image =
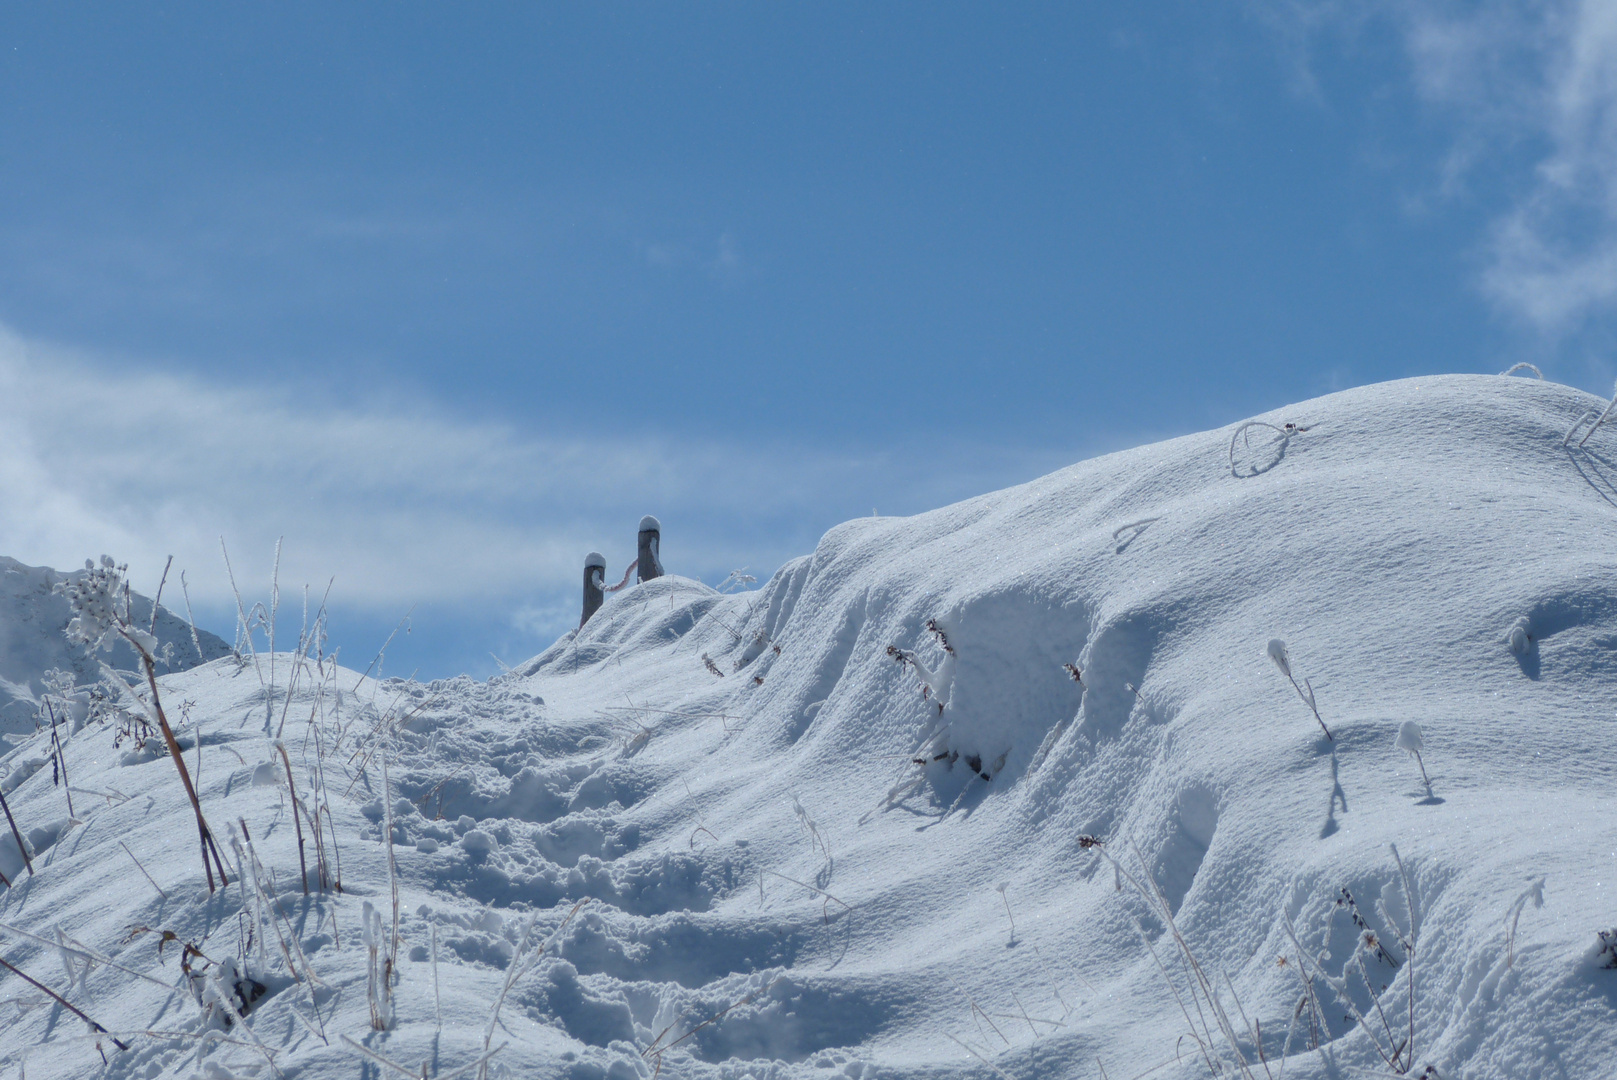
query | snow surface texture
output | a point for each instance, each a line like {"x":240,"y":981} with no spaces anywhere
{"x":772,"y":887}
{"x":32,"y":642}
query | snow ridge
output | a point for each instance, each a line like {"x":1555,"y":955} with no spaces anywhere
{"x":1121,"y":843}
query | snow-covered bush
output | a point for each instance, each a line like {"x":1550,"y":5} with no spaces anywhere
{"x":1606,"y":951}
{"x":755,"y":648}
{"x":935,"y":685}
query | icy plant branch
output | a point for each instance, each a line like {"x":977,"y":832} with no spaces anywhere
{"x":1277,"y":653}
{"x":1601,"y":419}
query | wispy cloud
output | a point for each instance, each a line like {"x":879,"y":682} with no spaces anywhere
{"x":1555,"y":252}
{"x":402,"y":504}
{"x":1529,"y":91}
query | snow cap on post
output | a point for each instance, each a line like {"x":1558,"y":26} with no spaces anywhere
{"x":650,"y":565}
{"x":594,"y":585}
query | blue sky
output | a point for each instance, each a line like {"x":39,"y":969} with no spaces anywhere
{"x":449,"y":295}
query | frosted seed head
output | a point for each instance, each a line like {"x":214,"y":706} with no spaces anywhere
{"x":1409,"y":737}
{"x":1519,"y":636}
{"x":1277,"y":653}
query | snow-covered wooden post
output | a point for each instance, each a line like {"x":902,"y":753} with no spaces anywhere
{"x":594,"y":584}
{"x":650,"y":566}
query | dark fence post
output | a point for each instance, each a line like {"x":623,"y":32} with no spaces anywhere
{"x":651,"y":565}
{"x":594,"y":585}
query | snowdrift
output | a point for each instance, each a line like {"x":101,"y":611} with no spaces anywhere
{"x":1009,"y":788}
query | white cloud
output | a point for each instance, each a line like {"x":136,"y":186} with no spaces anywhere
{"x":404,"y":505}
{"x":1530,"y":91}
{"x":1555,"y":253}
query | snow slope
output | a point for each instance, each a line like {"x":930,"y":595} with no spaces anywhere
{"x":32,"y":621}
{"x":772,"y":887}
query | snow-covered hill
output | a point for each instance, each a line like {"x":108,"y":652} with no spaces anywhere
{"x":32,"y":621}
{"x":725,"y":836}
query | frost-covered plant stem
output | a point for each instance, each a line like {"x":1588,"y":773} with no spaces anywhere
{"x":16,"y":834}
{"x":63,"y":1002}
{"x":297,"y":818}
{"x":1283,"y":436}
{"x":244,"y":624}
{"x":1282,"y":660}
{"x":1535,"y":893}
{"x":392,"y":872}
{"x":61,"y":758}
{"x":437,"y":1002}
{"x":209,"y":847}
{"x":378,"y":989}
{"x":1601,"y":419}
{"x":1410,"y":741}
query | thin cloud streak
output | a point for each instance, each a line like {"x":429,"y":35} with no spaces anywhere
{"x":404,"y":505}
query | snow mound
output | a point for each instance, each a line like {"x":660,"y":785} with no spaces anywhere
{"x":1018,"y":787}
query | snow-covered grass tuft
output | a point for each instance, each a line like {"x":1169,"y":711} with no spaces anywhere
{"x":1391,"y":1032}
{"x":1606,"y":950}
{"x":1224,"y":1048}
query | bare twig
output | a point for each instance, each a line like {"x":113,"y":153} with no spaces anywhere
{"x":63,"y":1002}
{"x":142,"y":869}
{"x":151,"y":627}
{"x":61,"y":757}
{"x":22,"y":847}
{"x":297,"y":818}
{"x":206,"y":835}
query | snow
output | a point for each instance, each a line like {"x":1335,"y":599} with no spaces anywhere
{"x":611,"y":864}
